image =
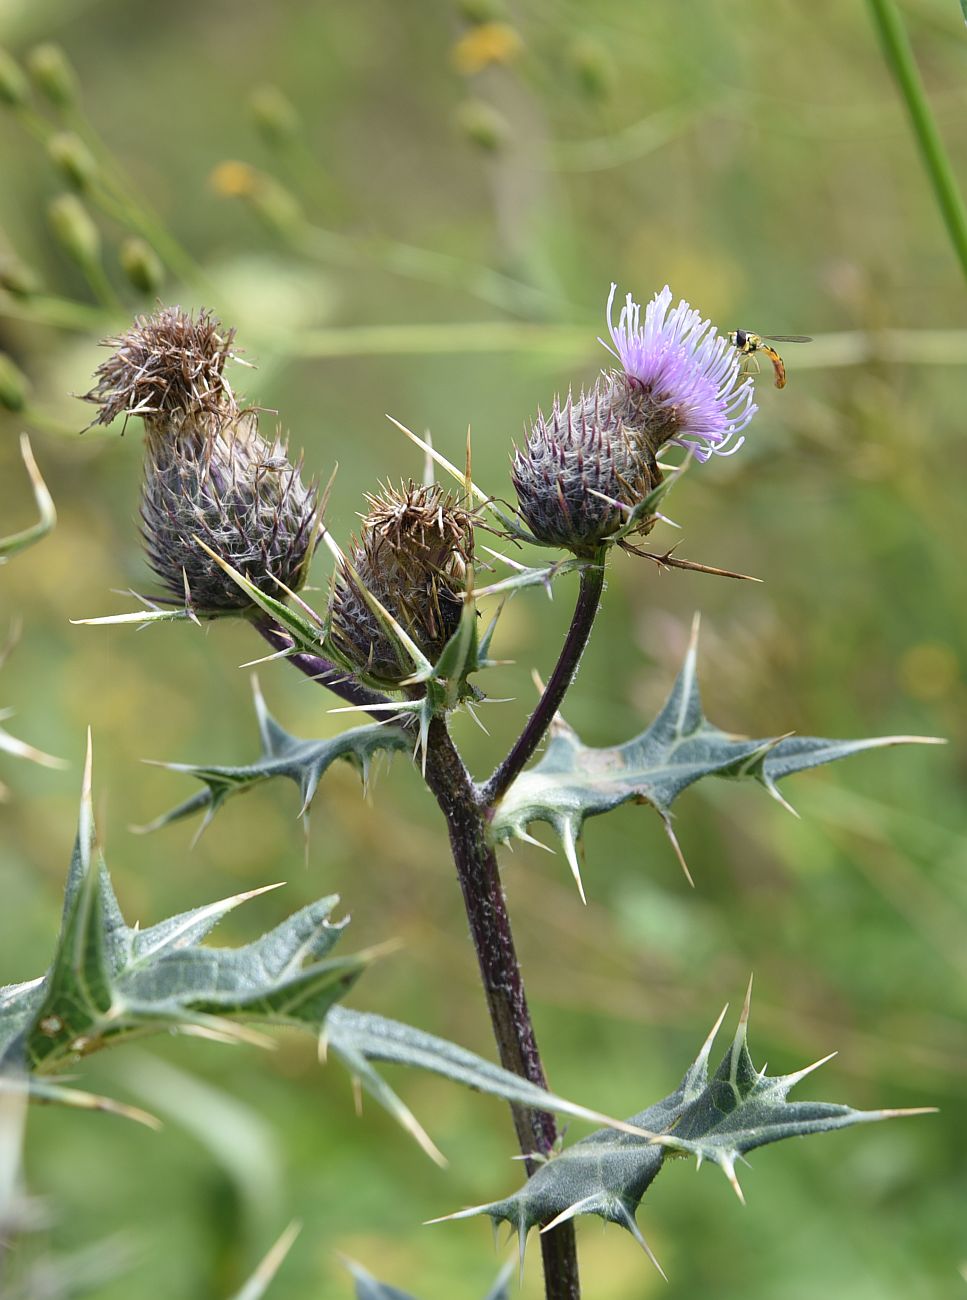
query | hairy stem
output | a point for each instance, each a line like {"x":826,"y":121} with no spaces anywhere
{"x":486,"y":908}
{"x":589,"y":596}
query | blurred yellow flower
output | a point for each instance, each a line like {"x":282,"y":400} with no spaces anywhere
{"x":234,"y":180}
{"x":481,"y":46}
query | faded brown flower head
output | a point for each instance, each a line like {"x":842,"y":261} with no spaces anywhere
{"x":584,"y":448}
{"x":413,"y":554}
{"x":168,"y":368}
{"x":209,"y":475}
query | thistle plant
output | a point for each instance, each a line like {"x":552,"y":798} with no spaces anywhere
{"x":229,"y":530}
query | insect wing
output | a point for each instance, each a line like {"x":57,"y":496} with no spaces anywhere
{"x":788,"y":338}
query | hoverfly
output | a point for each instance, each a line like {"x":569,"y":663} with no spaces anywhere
{"x":747,"y":343}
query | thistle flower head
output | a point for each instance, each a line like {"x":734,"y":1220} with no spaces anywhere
{"x":209,"y":475}
{"x":413,"y":554}
{"x":586,"y":467}
{"x":681,"y":377}
{"x":578,"y":468}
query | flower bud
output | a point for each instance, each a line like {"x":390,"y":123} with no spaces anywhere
{"x":13,"y":384}
{"x":269,"y":199}
{"x":14,"y":87}
{"x":275,"y":115}
{"x":483,"y":11}
{"x":414,"y":553}
{"x":53,"y":74}
{"x":72,"y":158}
{"x":593,"y":68}
{"x":74,"y":229}
{"x":141,"y":265}
{"x":208,"y":472}
{"x":581,"y":451}
{"x":483,"y":125}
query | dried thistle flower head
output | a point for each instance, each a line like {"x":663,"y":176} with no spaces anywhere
{"x":575,"y":459}
{"x":414,"y":553}
{"x":169,"y":369}
{"x":209,"y":475}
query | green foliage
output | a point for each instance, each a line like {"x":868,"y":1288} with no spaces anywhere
{"x":574,"y":781}
{"x":303,"y":761}
{"x":357,"y":1039}
{"x":718,"y":1118}
{"x":109,"y":981}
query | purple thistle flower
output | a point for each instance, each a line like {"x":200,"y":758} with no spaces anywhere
{"x":689,"y":374}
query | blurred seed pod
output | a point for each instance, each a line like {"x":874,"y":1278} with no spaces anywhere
{"x":14,"y":86}
{"x":483,"y":125}
{"x":53,"y":74}
{"x":72,"y":158}
{"x":74,"y":229}
{"x":482,"y":11}
{"x":14,"y":386}
{"x":274,"y":114}
{"x":141,"y":265}
{"x":593,"y":68}
{"x":414,"y":553}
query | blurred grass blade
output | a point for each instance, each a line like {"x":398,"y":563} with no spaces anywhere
{"x":899,"y":56}
{"x":45,"y":505}
{"x":261,"y":1279}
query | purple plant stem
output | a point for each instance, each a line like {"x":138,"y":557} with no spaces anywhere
{"x":463,"y":807}
{"x":585,"y":610}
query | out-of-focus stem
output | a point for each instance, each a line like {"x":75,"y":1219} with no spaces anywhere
{"x":899,"y":55}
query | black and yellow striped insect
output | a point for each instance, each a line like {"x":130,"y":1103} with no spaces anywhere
{"x":747,"y":343}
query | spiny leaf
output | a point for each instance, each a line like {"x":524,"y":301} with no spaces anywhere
{"x":718,"y":1117}
{"x":574,"y":781}
{"x":358,"y":1039}
{"x":45,"y":507}
{"x":523,"y":576}
{"x":109,"y":981}
{"x":367,"y":1287}
{"x":302,"y":761}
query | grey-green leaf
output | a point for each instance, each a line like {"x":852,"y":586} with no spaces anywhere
{"x":358,"y":1039}
{"x":302,"y":761}
{"x":108,"y":981}
{"x":717,"y":1117}
{"x":367,"y":1287}
{"x":574,"y":781}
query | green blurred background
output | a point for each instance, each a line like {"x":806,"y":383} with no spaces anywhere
{"x":757,"y":159}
